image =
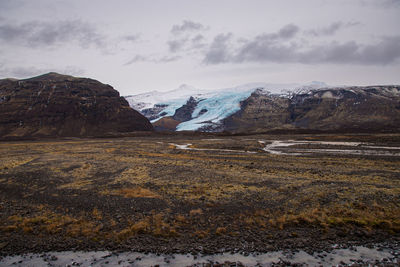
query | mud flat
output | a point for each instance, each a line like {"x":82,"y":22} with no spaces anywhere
{"x":210,"y":196}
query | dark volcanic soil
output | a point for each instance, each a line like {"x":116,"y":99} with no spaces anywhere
{"x":144,"y":194}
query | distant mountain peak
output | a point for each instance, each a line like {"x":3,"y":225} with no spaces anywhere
{"x":51,"y":76}
{"x":184,"y":89}
{"x":185,"y":86}
{"x":317,"y":84}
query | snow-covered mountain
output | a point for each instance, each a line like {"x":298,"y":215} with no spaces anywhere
{"x":149,"y":99}
{"x":207,"y":108}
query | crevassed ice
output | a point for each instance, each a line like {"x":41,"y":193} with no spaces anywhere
{"x":173,"y":105}
{"x":219,"y":106}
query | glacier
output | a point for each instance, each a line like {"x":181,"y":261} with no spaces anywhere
{"x":219,"y":104}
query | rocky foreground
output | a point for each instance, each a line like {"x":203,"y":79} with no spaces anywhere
{"x":200,"y":194}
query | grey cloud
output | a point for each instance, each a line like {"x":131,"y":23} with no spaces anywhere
{"x":385,"y":52}
{"x":131,"y":37}
{"x":382,"y":3}
{"x":265,"y":45}
{"x":186,"y":37}
{"x":176,"y":45}
{"x":137,"y":58}
{"x":198,"y":42}
{"x":38,"y":34}
{"x":167,"y":59}
{"x":219,"y":49}
{"x":331,"y":29}
{"x":288,"y":31}
{"x":152,"y":59}
{"x":264,"y":48}
{"x":6,"y":5}
{"x":198,"y":38}
{"x":31,"y":71}
{"x":285,"y":33}
{"x":187,"y":26}
{"x":392,"y":2}
{"x":186,"y":44}
{"x":382,"y":53}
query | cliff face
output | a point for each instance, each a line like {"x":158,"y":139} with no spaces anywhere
{"x":372,"y":108}
{"x":367,"y":108}
{"x":260,"y":111}
{"x":60,"y":105}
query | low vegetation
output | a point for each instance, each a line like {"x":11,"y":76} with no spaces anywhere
{"x":125,"y":192}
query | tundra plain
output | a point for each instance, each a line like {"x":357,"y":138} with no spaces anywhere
{"x":199,"y":194}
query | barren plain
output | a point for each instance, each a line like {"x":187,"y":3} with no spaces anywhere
{"x":199,"y":194}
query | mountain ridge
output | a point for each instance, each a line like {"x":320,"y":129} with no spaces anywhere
{"x":310,"y":107}
{"x":155,"y":105}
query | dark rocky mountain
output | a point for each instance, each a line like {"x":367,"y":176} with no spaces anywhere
{"x":154,"y":112}
{"x":61,"y":105}
{"x":185,"y":112}
{"x":365,"y":109}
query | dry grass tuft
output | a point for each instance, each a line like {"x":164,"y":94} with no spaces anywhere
{"x":152,"y":225}
{"x":136,"y":192}
{"x":196,"y":212}
{"x":200,"y":234}
{"x":10,"y":163}
{"x":97,"y":214}
{"x":220,"y":231}
{"x":180,"y":218}
{"x":52,"y":223}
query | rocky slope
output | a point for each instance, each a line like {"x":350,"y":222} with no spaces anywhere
{"x":260,"y":110}
{"x":370,"y":109}
{"x":60,"y":105}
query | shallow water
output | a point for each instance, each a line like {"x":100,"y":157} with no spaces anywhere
{"x":278,"y":147}
{"x":187,"y":147}
{"x":284,"y":148}
{"x":105,"y":258}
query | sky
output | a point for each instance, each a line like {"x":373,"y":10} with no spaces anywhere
{"x":144,"y":45}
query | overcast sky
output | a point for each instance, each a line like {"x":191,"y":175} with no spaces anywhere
{"x":144,"y":45}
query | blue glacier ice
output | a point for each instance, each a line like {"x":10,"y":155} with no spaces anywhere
{"x":172,"y":106}
{"x":219,"y":105}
